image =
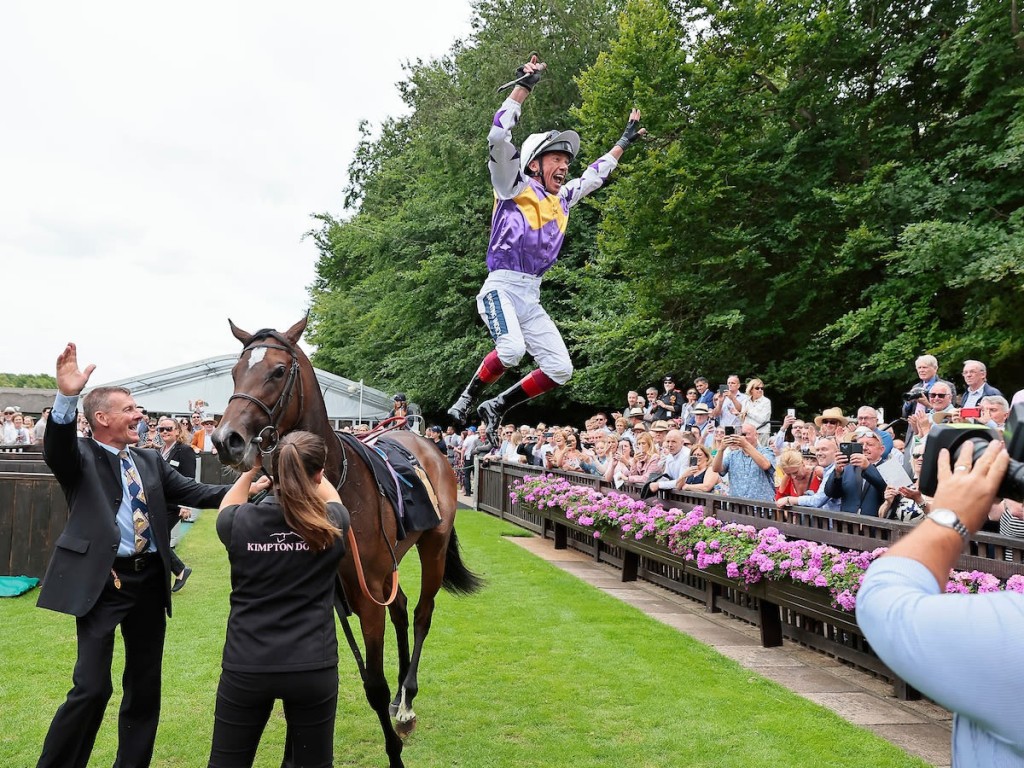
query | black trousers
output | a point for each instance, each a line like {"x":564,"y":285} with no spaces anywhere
{"x":244,"y":702}
{"x":138,"y":607}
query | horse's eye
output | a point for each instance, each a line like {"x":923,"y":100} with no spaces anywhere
{"x":278,"y":372}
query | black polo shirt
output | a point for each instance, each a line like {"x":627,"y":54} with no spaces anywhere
{"x":282,"y":592}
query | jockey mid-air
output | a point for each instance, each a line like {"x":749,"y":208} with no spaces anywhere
{"x":532,"y":199}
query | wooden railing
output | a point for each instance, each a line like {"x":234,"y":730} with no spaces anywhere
{"x":780,"y":609}
{"x":33,"y":509}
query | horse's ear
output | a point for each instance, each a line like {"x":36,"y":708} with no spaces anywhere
{"x":243,"y":336}
{"x":294,"y":333}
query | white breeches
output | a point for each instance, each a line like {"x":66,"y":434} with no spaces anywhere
{"x":509,"y":303}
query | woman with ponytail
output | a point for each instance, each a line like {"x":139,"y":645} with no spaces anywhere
{"x":281,"y":641}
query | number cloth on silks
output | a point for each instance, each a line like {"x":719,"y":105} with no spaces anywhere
{"x":399,"y":477}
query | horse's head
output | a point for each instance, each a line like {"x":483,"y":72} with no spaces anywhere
{"x":267,"y":401}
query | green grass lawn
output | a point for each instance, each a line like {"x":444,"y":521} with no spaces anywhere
{"x":539,"y":669}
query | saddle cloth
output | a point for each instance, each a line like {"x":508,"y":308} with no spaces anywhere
{"x":407,"y":489}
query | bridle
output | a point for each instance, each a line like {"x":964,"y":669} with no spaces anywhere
{"x":269,"y":436}
{"x":267,"y":441}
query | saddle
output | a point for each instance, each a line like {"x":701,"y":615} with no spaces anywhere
{"x":400,"y":479}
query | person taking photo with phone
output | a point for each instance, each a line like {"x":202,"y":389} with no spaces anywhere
{"x":856,"y":482}
{"x":749,"y":466}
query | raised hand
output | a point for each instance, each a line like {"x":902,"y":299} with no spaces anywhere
{"x":71,"y":380}
{"x":633,"y":131}
{"x":529,"y":74}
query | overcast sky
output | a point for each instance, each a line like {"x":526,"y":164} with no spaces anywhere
{"x":159,"y":164}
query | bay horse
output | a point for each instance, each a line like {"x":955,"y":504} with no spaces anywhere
{"x":275,"y":392}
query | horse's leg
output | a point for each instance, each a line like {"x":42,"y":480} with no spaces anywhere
{"x":399,"y":611}
{"x":431,"y":546}
{"x":371,"y":620}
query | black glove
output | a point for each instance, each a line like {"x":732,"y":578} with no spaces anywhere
{"x":630,"y":135}
{"x":525,"y":80}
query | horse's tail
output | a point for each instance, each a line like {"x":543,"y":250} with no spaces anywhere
{"x":458,"y":579}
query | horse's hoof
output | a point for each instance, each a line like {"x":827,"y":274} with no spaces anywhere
{"x":404,"y":728}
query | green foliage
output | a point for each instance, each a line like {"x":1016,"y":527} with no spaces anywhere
{"x":28,"y":380}
{"x":827,"y":192}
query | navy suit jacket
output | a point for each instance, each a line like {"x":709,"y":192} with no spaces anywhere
{"x":857,"y":497}
{"x":90,"y":477}
{"x":987,"y":390}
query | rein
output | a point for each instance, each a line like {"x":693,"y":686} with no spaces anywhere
{"x":357,"y":562}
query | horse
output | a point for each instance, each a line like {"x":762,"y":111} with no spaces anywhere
{"x":275,"y":392}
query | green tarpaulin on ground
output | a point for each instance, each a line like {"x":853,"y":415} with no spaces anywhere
{"x":12,"y":586}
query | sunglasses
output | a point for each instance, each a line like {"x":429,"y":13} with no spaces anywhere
{"x":165,"y":429}
{"x":937,"y":395}
{"x":830,"y":421}
{"x":757,"y":387}
{"x":918,"y":455}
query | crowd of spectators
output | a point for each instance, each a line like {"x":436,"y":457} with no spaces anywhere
{"x":725,"y":441}
{"x":22,"y":429}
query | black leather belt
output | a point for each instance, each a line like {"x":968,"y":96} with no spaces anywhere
{"x":136,"y":563}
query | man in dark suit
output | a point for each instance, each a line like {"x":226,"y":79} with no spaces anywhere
{"x":111,"y":565}
{"x":856,"y":481}
{"x":975,"y":375}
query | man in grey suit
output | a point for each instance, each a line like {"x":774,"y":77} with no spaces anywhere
{"x":111,"y":564}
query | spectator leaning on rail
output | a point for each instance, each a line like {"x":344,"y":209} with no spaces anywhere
{"x":956,"y":649}
{"x":825,"y":451}
{"x":533,"y":197}
{"x":749,"y":466}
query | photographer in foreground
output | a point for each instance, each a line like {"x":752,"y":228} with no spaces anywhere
{"x":957,"y":649}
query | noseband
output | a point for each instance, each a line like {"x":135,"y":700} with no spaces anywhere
{"x":268,"y":437}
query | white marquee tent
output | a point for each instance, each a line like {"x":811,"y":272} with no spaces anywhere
{"x":171,"y":390}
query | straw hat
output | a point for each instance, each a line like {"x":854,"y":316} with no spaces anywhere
{"x":835,"y":414}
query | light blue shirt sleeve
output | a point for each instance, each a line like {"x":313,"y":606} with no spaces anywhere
{"x":817,"y":498}
{"x":64,"y":408}
{"x":959,"y":650}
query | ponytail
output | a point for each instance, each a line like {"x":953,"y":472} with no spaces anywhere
{"x":298,"y":457}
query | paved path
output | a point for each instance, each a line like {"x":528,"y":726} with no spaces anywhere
{"x":919,"y":727}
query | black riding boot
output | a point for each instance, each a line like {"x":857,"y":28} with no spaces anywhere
{"x":491,"y":411}
{"x":461,"y":407}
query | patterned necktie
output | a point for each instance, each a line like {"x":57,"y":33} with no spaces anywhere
{"x":140,"y":511}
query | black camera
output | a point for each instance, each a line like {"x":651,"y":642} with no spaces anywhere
{"x":953,"y":436}
{"x":914,"y":394}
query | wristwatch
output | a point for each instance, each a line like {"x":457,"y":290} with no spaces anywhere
{"x":947,"y":518}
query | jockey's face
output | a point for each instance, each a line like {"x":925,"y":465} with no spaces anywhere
{"x":553,"y":168}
